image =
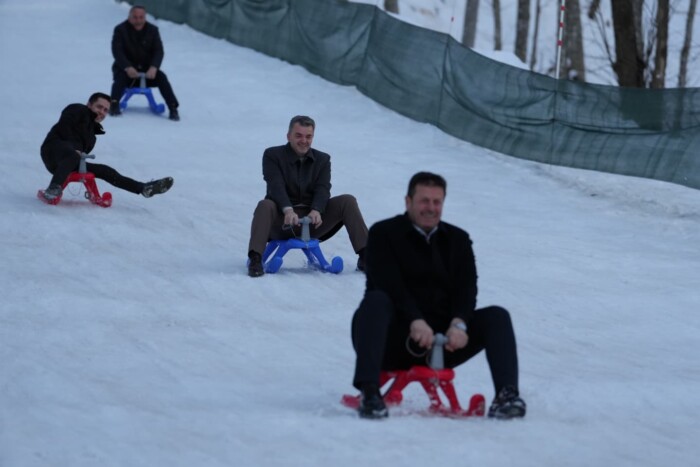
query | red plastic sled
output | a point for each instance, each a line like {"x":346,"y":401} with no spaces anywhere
{"x":430,"y":380}
{"x":92,"y":194}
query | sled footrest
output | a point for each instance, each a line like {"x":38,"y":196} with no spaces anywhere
{"x":430,"y":380}
{"x":276,"y":249}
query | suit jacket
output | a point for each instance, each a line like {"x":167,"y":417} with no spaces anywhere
{"x":434,"y":281}
{"x":292,"y":181}
{"x":77,"y":127}
{"x":139,"y":49}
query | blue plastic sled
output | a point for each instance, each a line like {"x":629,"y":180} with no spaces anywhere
{"x":276,"y":249}
{"x":146,"y":91}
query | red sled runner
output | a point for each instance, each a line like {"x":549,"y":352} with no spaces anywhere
{"x":92,"y":194}
{"x":430,"y":378}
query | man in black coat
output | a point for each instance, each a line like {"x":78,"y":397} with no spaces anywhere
{"x":75,"y":133}
{"x":137,"y":48}
{"x":298,"y":181}
{"x":421,"y":280}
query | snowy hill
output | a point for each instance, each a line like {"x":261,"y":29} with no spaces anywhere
{"x":131,"y":336}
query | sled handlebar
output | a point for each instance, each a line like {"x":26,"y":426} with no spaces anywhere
{"x":437,"y":360}
{"x":305,"y":229}
{"x":83,"y":167}
{"x":142,"y":79}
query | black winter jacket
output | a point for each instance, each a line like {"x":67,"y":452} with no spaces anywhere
{"x":139,"y":49}
{"x":291,"y":182}
{"x":434,"y":281}
{"x":77,"y":127}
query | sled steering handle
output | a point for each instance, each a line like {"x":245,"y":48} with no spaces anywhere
{"x":83,"y":167}
{"x":437,"y":359}
{"x":142,"y":79}
{"x":305,"y":229}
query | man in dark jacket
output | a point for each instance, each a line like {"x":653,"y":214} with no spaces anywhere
{"x":299,"y":184}
{"x":421,"y":279}
{"x":75,"y":133}
{"x":137,"y":48}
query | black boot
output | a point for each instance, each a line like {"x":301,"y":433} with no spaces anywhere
{"x":255,"y":266}
{"x":361,"y":260}
{"x":114,"y":109}
{"x":372,"y":404}
{"x":174,"y":114}
{"x":157,"y":187}
{"x":507,"y":404}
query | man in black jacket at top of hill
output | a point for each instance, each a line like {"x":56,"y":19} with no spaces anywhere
{"x":75,"y":133}
{"x":137,"y":48}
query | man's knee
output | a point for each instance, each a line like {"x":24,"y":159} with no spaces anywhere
{"x":374,"y":313}
{"x":265,"y":207}
{"x":496,"y":315}
{"x":376,"y":302}
{"x":345,"y":201}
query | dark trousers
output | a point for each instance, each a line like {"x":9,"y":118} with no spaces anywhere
{"x":61,"y":159}
{"x":340,"y":210}
{"x":380,"y":342}
{"x":122,"y":81}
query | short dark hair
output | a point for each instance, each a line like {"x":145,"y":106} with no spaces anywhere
{"x":98,"y":95}
{"x":302,"y":120}
{"x":427,"y":179}
{"x":137,"y":7}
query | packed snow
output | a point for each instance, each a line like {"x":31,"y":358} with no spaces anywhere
{"x":132,"y":336}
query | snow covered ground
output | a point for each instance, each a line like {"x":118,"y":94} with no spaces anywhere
{"x":131,"y":336}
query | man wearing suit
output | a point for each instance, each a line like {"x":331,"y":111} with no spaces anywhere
{"x":298,"y":181}
{"x":421,"y":279}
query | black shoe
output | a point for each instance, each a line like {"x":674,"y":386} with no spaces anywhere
{"x":255,"y":266}
{"x":114,"y":109}
{"x":174,"y":115}
{"x":372,"y":404}
{"x":52,"y":192}
{"x":361,"y":260}
{"x":157,"y":187}
{"x":507,"y":405}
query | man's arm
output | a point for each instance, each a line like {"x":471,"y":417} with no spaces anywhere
{"x":383,"y":269}
{"x":157,"y":52}
{"x":119,"y":49}
{"x":274,"y":177}
{"x":464,"y":288}
{"x":322,"y":185}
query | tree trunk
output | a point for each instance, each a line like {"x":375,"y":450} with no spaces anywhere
{"x":470,"y":16}
{"x":685,"y":51}
{"x":658,"y":79}
{"x":535,"y":35}
{"x":497,"y":42}
{"x":391,"y":6}
{"x":573,"y":58}
{"x":522,"y":29}
{"x":629,"y":64}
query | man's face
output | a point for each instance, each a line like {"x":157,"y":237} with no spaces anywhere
{"x":425,"y":207}
{"x":137,"y":18}
{"x":100,"y":107}
{"x":300,"y":138}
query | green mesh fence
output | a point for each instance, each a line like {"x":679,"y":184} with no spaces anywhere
{"x":431,"y":78}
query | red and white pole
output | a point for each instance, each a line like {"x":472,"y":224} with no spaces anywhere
{"x":562,"y":10}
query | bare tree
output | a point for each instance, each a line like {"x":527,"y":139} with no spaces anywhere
{"x":629,"y":65}
{"x":573,"y":57}
{"x":391,"y":6}
{"x":497,"y":42}
{"x":685,"y":51}
{"x":522,"y":29}
{"x":470,"y":16}
{"x":535,"y":35}
{"x":658,"y":79}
